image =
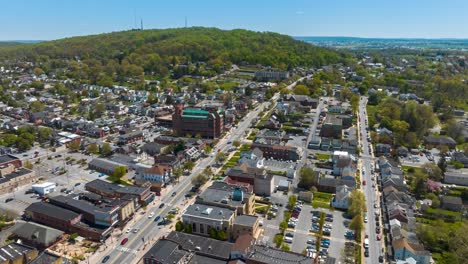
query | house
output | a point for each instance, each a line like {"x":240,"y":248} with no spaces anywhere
{"x":382,"y":149}
{"x":167,"y":160}
{"x":341,"y":198}
{"x":279,"y":151}
{"x":104,"y":166}
{"x":153,"y":148}
{"x":326,"y":184}
{"x":158,"y":176}
{"x":459,"y":177}
{"x":202,"y":218}
{"x":36,"y":235}
{"x":451,"y":203}
{"x":461,"y":157}
{"x":402,"y":151}
{"x":404,"y":250}
{"x":332,"y":127}
{"x":315,"y":142}
{"x":261,"y":181}
{"x":342,"y":160}
{"x":130,"y":137}
{"x":433,"y":141}
{"x":254,"y":158}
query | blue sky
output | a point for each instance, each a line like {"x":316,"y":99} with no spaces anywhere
{"x":53,"y":19}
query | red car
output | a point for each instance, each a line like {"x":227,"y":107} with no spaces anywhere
{"x":363,"y":182}
{"x":124,"y":241}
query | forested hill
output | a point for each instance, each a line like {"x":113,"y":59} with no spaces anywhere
{"x":154,"y":50}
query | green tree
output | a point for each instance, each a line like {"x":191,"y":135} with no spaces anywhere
{"x":356,"y":224}
{"x":278,"y":240}
{"x":106,"y":149}
{"x":189,"y":165}
{"x":74,"y":145}
{"x":285,"y":247}
{"x":357,"y":203}
{"x":38,"y":71}
{"x":119,"y":172}
{"x":36,"y":106}
{"x":176,"y":173}
{"x":9,"y":139}
{"x":308,"y":178}
{"x":236,"y":143}
{"x":92,"y":148}
{"x":188,"y":229}
{"x":432,"y":170}
{"x":207,"y":149}
{"x":199,"y":180}
{"x":213,"y":233}
{"x":442,"y":164}
{"x":44,"y":134}
{"x":222,"y":235}
{"x":354,"y":101}
{"x":292,"y":201}
{"x":283,"y":226}
{"x":179,"y":226}
{"x":221,"y":157}
{"x":301,"y":89}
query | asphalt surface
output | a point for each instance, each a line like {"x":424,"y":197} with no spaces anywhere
{"x":371,"y":194}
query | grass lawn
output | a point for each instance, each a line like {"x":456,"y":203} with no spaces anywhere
{"x":322,"y":200}
{"x":118,"y":181}
{"x":406,"y":168}
{"x":245,"y":147}
{"x":321,"y":156}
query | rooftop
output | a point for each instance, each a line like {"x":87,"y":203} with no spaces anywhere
{"x":211,"y":212}
{"x":265,"y":254}
{"x":52,"y":211}
{"x":7,"y":158}
{"x":81,"y":205}
{"x":46,"y":258}
{"x":245,"y":220}
{"x":35,"y":232}
{"x":202,"y":245}
{"x":102,"y":186}
{"x":14,"y":252}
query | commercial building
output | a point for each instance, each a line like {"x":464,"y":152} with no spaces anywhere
{"x":36,"y":235}
{"x":205,"y":122}
{"x":279,"y":151}
{"x":10,"y":159}
{"x":245,"y":224}
{"x":261,"y":181}
{"x":157,"y":176}
{"x":271,"y":75}
{"x":44,"y":187}
{"x":332,"y":127}
{"x":12,"y":177}
{"x":112,"y":190}
{"x":16,"y":253}
{"x":104,"y":166}
{"x":225,"y":195}
{"x":105,"y":216}
{"x":130,"y":137}
{"x":202,"y":218}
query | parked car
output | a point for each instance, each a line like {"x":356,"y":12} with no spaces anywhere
{"x":105,"y":259}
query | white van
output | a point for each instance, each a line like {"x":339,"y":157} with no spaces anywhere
{"x":288,"y":239}
{"x":366,"y":243}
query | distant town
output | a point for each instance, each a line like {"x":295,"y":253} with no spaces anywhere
{"x":364,"y":161}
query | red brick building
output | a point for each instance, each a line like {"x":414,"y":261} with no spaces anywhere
{"x":207,"y":122}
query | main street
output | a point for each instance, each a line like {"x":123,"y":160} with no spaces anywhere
{"x":367,"y":159}
{"x":138,"y":243}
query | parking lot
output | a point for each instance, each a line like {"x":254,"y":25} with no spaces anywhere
{"x":62,"y":168}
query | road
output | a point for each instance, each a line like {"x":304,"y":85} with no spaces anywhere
{"x":149,"y":232}
{"x":371,"y":194}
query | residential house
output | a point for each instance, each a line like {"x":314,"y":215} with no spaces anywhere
{"x":433,"y":141}
{"x":342,"y":160}
{"x":153,"y":148}
{"x":459,"y":177}
{"x":279,"y":152}
{"x":452,"y":203}
{"x":326,"y":184}
{"x":332,"y":127}
{"x":158,"y":176}
{"x":382,"y":149}
{"x":254,"y":158}
{"x":404,"y":250}
{"x":341,"y":198}
{"x":461,"y":157}
{"x":130,"y":137}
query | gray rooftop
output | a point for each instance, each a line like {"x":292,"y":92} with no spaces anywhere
{"x":206,"y":211}
{"x":207,"y":246}
{"x":102,"y":185}
{"x":52,"y":211}
{"x":39,"y":233}
{"x":264,"y":254}
{"x":245,"y":220}
{"x":7,"y":158}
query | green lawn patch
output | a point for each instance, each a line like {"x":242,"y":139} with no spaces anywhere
{"x":321,"y":156}
{"x":118,"y":181}
{"x":322,"y":200}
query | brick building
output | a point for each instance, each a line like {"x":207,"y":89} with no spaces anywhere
{"x":207,"y":122}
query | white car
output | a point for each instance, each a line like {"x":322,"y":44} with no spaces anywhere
{"x":365,"y":219}
{"x":128,"y":230}
{"x":151,"y":215}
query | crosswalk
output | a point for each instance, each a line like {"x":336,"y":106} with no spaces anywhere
{"x":125,"y":249}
